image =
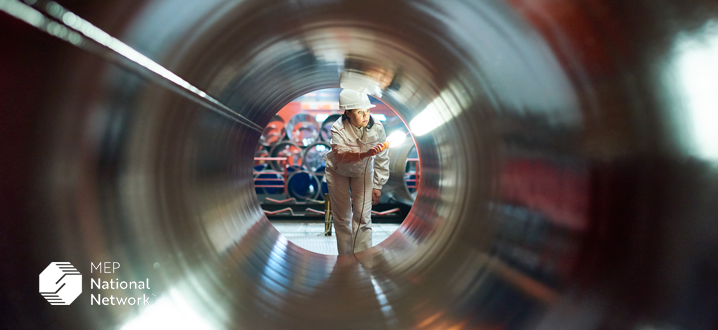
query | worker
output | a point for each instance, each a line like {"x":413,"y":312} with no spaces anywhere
{"x":358,"y":167}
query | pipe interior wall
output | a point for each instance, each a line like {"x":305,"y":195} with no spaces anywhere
{"x":568,"y":169}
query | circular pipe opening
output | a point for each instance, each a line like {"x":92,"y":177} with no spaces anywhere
{"x":186,"y":174}
{"x":298,"y":210}
{"x":523,"y":139}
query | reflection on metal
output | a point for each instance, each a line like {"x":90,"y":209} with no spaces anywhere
{"x":314,"y":155}
{"x":387,"y":212}
{"x":286,"y":149}
{"x":284,"y":210}
{"x":360,"y":82}
{"x":274,"y":132}
{"x":313,"y":211}
{"x":695,"y":66}
{"x":261,"y":153}
{"x":396,"y":186}
{"x":303,"y":185}
{"x":303,"y":129}
{"x":90,"y":37}
{"x":448,"y":105}
{"x":288,"y":200}
{"x":326,"y":131}
{"x":565,"y":182}
{"x":394,"y":124}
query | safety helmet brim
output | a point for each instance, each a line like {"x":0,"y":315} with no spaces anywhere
{"x":353,"y":106}
{"x":351,"y":99}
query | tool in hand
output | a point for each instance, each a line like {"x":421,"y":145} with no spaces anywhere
{"x":393,"y":140}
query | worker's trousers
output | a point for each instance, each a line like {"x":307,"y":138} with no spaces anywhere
{"x":351,"y":217}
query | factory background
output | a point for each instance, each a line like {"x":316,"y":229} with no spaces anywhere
{"x":289,"y":172}
{"x":564,"y":177}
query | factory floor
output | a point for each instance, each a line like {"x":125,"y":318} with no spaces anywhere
{"x":310,"y":235}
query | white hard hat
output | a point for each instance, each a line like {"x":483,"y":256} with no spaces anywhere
{"x":351,"y":99}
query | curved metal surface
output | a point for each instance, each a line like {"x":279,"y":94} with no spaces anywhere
{"x":568,"y":173}
{"x":303,"y":185}
{"x":286,"y":149}
{"x":326,"y":132}
{"x":303,"y":129}
{"x":396,"y":187}
{"x":274,"y":132}
{"x":260,"y":152}
{"x":314,"y":155}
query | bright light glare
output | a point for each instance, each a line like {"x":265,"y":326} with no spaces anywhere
{"x":171,"y":311}
{"x":437,"y":113}
{"x":697,"y":70}
{"x":23,"y":12}
{"x":321,"y":117}
{"x":379,"y":117}
{"x":74,"y":22}
{"x":426,"y":121}
{"x":396,"y":139}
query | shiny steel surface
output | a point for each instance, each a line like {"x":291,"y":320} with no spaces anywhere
{"x":314,"y":155}
{"x":303,"y":129}
{"x":567,"y":149}
{"x":326,"y":132}
{"x":274,"y":132}
{"x":260,"y":153}
{"x":396,"y":186}
{"x":303,"y":185}
{"x":286,"y":149}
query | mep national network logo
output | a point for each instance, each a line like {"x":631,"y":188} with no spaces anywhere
{"x":60,"y":283}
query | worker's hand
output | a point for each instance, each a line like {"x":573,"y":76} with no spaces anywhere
{"x":376,"y":149}
{"x":375,"y":196}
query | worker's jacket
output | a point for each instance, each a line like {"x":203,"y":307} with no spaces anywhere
{"x":346,"y":146}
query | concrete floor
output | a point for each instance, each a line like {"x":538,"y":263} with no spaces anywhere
{"x":310,"y":235}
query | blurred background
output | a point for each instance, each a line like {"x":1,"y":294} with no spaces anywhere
{"x":561,"y":171}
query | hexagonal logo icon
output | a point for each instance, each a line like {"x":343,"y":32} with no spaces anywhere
{"x":60,"y":283}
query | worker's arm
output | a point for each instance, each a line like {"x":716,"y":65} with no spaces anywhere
{"x":345,"y":152}
{"x":381,"y":163}
{"x":348,"y":157}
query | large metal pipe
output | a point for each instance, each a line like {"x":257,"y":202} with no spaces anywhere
{"x":568,"y":168}
{"x":396,"y":186}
